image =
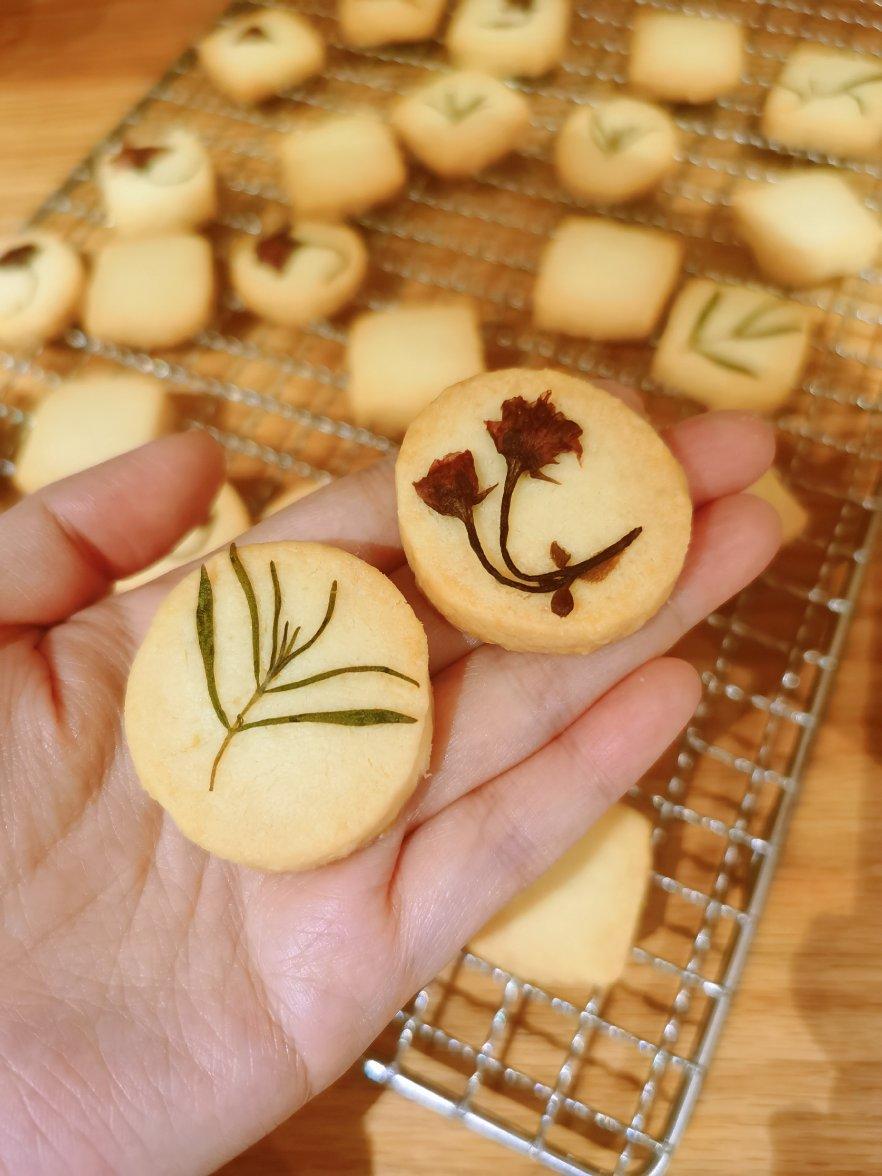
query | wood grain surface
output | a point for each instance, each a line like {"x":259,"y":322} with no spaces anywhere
{"x":796,"y":1087}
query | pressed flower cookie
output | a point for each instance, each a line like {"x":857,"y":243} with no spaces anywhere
{"x":288,"y":497}
{"x":826,"y":100}
{"x":366,"y":23}
{"x":279,"y":708}
{"x":261,"y":52}
{"x":732,"y":347}
{"x":807,"y":227}
{"x":308,"y":271}
{"x":573,"y":928}
{"x":87,"y":420}
{"x":154,"y":291}
{"x":163,"y":181}
{"x":462,"y":122}
{"x":615,"y":151}
{"x":603,"y":280}
{"x":683,"y":58}
{"x":400,"y":359}
{"x":341,"y":165}
{"x":226,"y":521}
{"x":41,"y":280}
{"x":772,"y":488}
{"x":509,"y":38}
{"x":539,"y":512}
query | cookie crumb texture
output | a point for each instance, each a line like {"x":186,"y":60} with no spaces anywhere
{"x":683,"y":58}
{"x":261,"y":52}
{"x":540,"y":513}
{"x":509,"y":38}
{"x":279,"y":708}
{"x":41,"y":280}
{"x":367,"y":23}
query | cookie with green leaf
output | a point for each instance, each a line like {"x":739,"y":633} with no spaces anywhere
{"x":279,"y":708}
{"x":733,"y":347}
{"x":539,"y":512}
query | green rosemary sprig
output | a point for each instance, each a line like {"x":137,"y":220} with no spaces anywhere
{"x":613,"y":140}
{"x":284,"y":650}
{"x":753,"y":325}
{"x":849,"y":89}
{"x":456,"y":107}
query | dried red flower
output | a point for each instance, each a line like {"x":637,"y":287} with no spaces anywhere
{"x":451,"y":485}
{"x":138,"y":158}
{"x":530,"y":436}
{"x":19,"y":256}
{"x":277,"y":249}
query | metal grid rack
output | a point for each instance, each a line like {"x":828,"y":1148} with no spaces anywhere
{"x":586,"y":1082}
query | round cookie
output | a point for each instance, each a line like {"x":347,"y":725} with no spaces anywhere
{"x":41,"y":280}
{"x":299,"y":274}
{"x":279,"y":708}
{"x":539,"y":512}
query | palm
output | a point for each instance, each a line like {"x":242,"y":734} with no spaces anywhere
{"x":165,"y":1008}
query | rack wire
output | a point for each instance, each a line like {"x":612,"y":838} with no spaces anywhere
{"x":599,"y":1082}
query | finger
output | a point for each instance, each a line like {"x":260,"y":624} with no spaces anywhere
{"x":458,"y":869}
{"x":74,"y":538}
{"x":721,"y":452}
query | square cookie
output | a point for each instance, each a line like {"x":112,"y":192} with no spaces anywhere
{"x":509,"y":38}
{"x":365,"y":23}
{"x":684,"y":58}
{"x":261,"y":52}
{"x":599,"y":279}
{"x":733,"y":347}
{"x":400,"y":359}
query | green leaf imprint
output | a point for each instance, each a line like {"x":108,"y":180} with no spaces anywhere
{"x":205,"y":637}
{"x":753,"y":325}
{"x":248,"y":590}
{"x":613,"y":140}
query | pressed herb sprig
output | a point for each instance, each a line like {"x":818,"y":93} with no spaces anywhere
{"x":849,"y":88}
{"x":283,"y":652}
{"x":530,"y":436}
{"x":612,"y":140}
{"x":755,"y":324}
{"x":277,"y":250}
{"x":456,"y":107}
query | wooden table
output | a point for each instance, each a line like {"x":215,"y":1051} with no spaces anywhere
{"x":796,"y":1087}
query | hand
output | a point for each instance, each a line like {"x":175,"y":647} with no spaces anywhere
{"x":160,"y":1009}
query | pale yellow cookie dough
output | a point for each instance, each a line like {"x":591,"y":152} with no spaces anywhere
{"x":574,"y":927}
{"x":733,"y":347}
{"x":593,"y":481}
{"x":600,"y":279}
{"x":288,"y":497}
{"x":87,"y":420}
{"x":618,"y":150}
{"x":261,"y":52}
{"x":807,"y":227}
{"x":683,"y":58}
{"x":509,"y":38}
{"x":273,"y":763}
{"x":366,"y":23}
{"x":148,"y":292}
{"x":400,"y":359}
{"x":772,"y":488}
{"x":41,"y":281}
{"x":460,"y":123}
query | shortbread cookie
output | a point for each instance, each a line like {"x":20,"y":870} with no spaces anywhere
{"x":288,"y":497}
{"x":732,"y":347}
{"x":400,"y":359}
{"x":41,"y":280}
{"x":226,"y":521}
{"x":826,"y":100}
{"x":539,"y":512}
{"x":772,"y":488}
{"x":600,"y":279}
{"x":615,"y":151}
{"x":87,"y":420}
{"x":462,"y":122}
{"x":366,"y":23}
{"x":807,"y":227}
{"x":308,"y":271}
{"x":261,"y":52}
{"x":150,"y":291}
{"x":509,"y":38}
{"x":157,"y":183}
{"x":682,"y":58}
{"x":341,"y":165}
{"x":573,"y":928}
{"x":280,"y":708}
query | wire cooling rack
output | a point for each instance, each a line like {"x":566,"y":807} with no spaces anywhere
{"x":597,"y":1081}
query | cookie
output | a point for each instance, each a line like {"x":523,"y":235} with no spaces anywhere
{"x":226,"y":521}
{"x":509,"y":38}
{"x":683,"y":58}
{"x":148,"y":292}
{"x":806,"y":228}
{"x":732,"y":347}
{"x":366,"y":23}
{"x":279,"y":708}
{"x":41,"y":280}
{"x":573,"y":928}
{"x":300,"y":273}
{"x":158,"y":183}
{"x":539,"y":512}
{"x":772,"y":488}
{"x":340,"y":166}
{"x":261,"y":52}
{"x":288,"y":497}
{"x":87,"y":420}
{"x":619,"y":150}
{"x":600,"y":279}
{"x":462,"y":122}
{"x":828,"y":101}
{"x":400,"y":359}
